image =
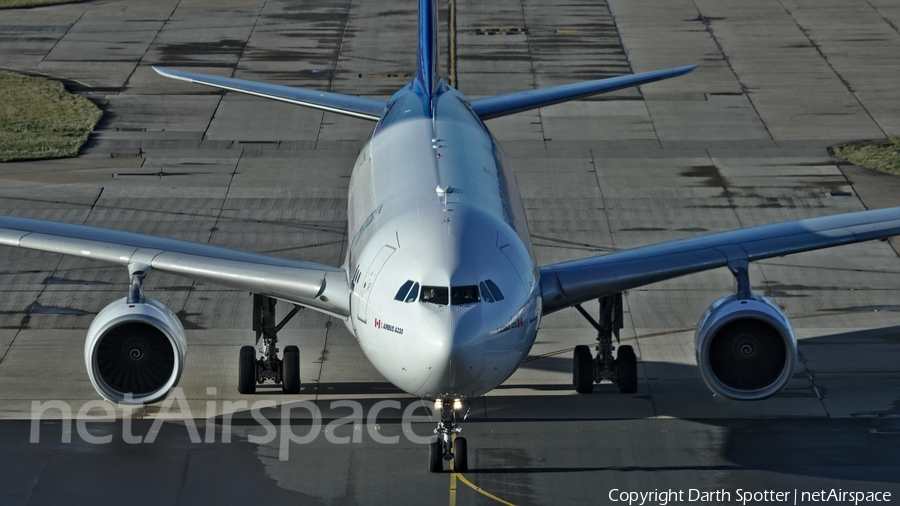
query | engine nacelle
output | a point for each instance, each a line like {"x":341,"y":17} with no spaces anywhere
{"x":135,"y":350}
{"x":746,"y":348}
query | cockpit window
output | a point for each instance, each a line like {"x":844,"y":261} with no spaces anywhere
{"x":435,"y":295}
{"x":401,"y":293}
{"x":485,"y":293}
{"x":460,"y":295}
{"x":413,"y":293}
{"x":495,"y":291}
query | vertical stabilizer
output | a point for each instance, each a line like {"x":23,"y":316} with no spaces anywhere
{"x":427,"y":74}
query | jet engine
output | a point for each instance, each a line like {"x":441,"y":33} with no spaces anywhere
{"x":135,"y":352}
{"x":745,"y":347}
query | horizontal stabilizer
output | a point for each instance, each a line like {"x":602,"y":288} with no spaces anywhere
{"x":348,"y":105}
{"x":511,"y":103}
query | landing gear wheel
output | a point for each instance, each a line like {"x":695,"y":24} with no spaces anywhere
{"x":436,"y":456}
{"x":460,"y":460}
{"x":290,"y":375}
{"x":626,"y":364}
{"x":247,"y":370}
{"x":583,"y":370}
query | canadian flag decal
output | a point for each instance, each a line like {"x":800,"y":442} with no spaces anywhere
{"x":377,"y":323}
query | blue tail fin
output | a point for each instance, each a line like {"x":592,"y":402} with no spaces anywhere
{"x":427,"y":68}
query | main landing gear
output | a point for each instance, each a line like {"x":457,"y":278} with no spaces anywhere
{"x":448,"y":446}
{"x":622,"y":370}
{"x":253,"y":370}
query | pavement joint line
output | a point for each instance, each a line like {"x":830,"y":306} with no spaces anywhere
{"x":250,"y":36}
{"x":812,"y":381}
{"x":193,"y":284}
{"x":452,"y":45}
{"x":152,"y":42}
{"x":534,"y":84}
{"x":733,"y":72}
{"x":27,"y":317}
{"x":318,"y":380}
{"x":729,"y":195}
{"x":43,"y":58}
{"x":828,"y":62}
{"x":603,"y":206}
{"x":337,"y":58}
{"x":528,"y":45}
{"x":886,"y":20}
{"x":233,"y":72}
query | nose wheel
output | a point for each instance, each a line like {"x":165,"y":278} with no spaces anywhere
{"x":448,"y":446}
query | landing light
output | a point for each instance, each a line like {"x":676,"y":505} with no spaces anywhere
{"x":438,"y":404}
{"x":457,"y":404}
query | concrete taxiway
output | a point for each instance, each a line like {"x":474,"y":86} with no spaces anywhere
{"x":739,"y":142}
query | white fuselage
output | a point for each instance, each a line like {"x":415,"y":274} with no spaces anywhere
{"x":434,"y":206}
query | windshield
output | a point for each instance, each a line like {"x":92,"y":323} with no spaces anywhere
{"x":435,"y":295}
{"x":460,"y":295}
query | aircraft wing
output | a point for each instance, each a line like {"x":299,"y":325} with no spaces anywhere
{"x":569,"y":283}
{"x":511,"y":103}
{"x":316,"y":286}
{"x":348,"y":105}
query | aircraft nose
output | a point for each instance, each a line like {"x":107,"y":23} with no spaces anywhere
{"x":434,"y":347}
{"x":460,"y":355}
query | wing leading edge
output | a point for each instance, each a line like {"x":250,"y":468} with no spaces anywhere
{"x":316,"y":286}
{"x":569,"y":283}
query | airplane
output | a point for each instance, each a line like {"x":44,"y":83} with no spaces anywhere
{"x":440,"y":285}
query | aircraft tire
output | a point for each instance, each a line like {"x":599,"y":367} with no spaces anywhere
{"x":626,"y":363}
{"x":583,"y":370}
{"x":435,"y":456}
{"x":290,"y":370}
{"x":460,"y":457}
{"x":247,"y":370}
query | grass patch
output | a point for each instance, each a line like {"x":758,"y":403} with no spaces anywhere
{"x":19,"y":4}
{"x":40,"y":119}
{"x":884,"y":157}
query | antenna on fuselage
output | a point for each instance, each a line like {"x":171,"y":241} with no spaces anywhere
{"x":442,"y":194}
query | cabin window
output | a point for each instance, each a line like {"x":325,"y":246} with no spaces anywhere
{"x":495,"y":291}
{"x":460,"y":295}
{"x":435,"y":295}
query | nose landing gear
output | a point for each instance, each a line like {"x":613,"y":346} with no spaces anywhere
{"x":448,"y":446}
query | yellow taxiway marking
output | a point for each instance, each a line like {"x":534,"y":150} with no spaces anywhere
{"x":453,"y":477}
{"x":452,"y":488}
